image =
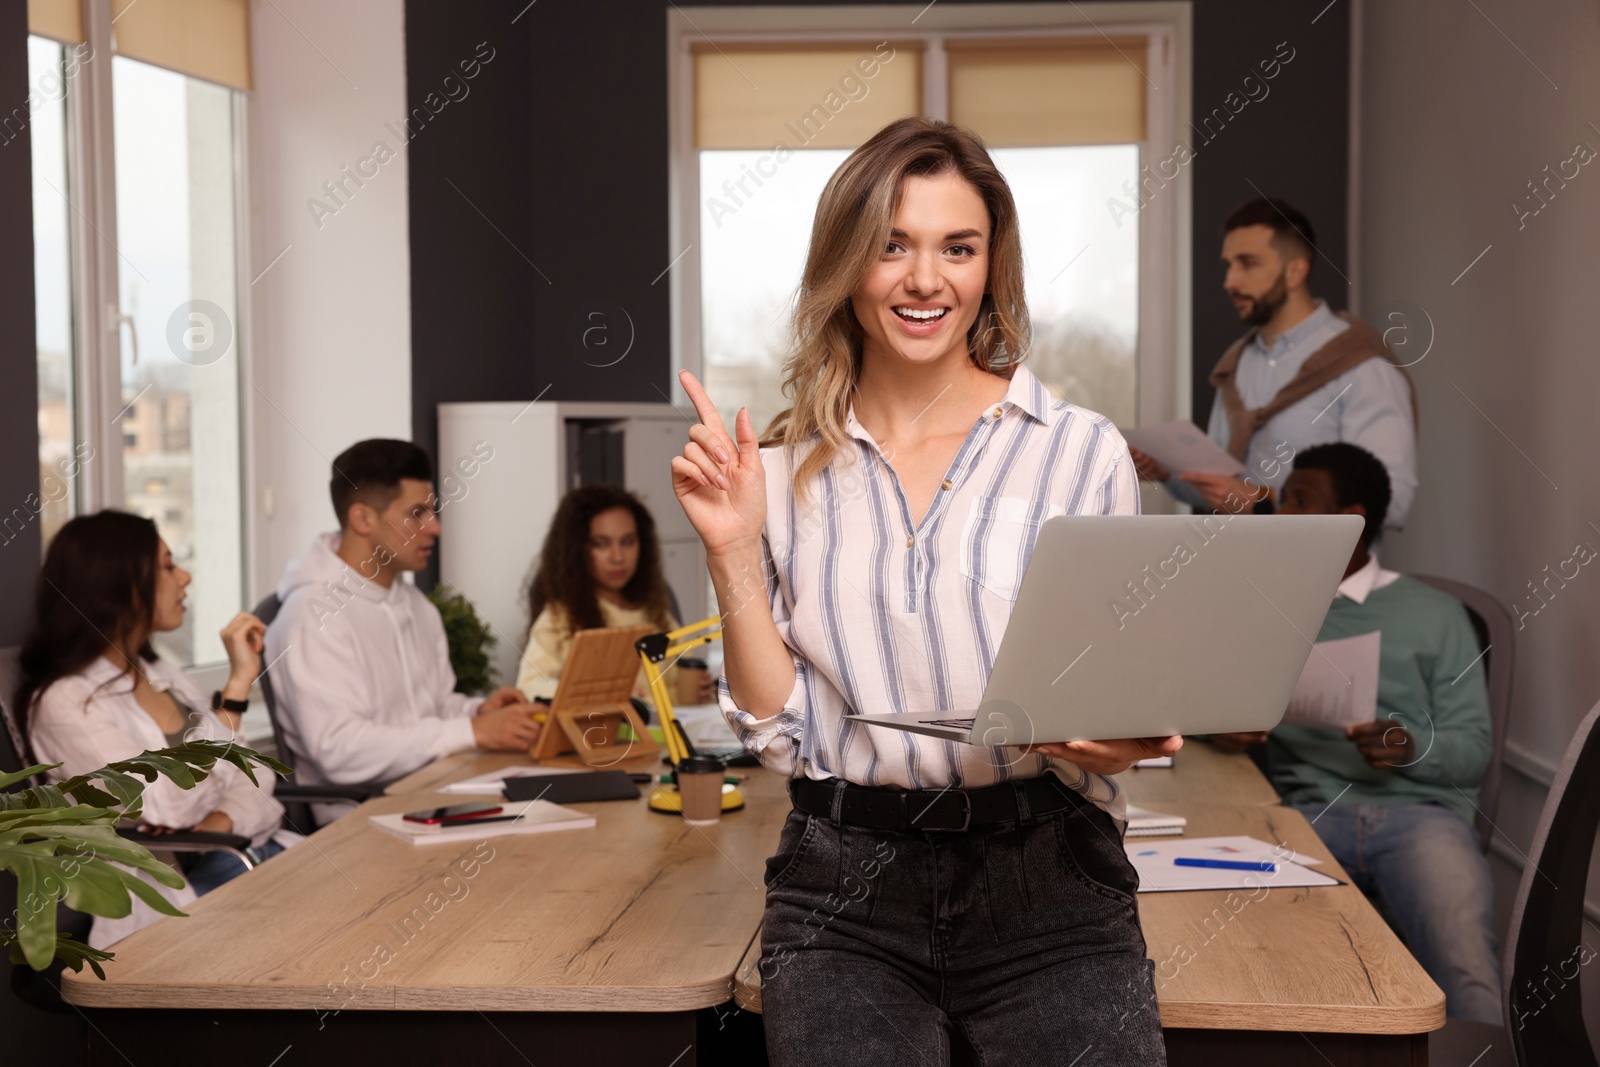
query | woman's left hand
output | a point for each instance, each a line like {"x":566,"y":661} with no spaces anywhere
{"x":1108,"y":757}
{"x":243,"y":638}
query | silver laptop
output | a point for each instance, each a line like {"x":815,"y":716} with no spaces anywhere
{"x":1152,"y":625}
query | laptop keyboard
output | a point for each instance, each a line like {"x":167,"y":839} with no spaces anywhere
{"x":964,"y":724}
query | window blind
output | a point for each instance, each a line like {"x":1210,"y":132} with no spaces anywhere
{"x":805,"y":96}
{"x":1027,"y":93}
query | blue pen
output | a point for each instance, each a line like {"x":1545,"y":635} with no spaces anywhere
{"x":1228,"y":865}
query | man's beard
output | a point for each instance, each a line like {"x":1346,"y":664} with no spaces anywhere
{"x":1263,"y":307}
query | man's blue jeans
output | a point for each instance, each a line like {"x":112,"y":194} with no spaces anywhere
{"x":1421,"y":866}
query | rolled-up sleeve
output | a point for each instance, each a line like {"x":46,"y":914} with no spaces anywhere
{"x":776,"y":739}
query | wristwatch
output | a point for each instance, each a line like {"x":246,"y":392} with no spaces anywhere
{"x":222,"y":703}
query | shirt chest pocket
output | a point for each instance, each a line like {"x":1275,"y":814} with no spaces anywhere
{"x":997,"y":540}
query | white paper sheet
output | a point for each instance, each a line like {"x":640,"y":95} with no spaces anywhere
{"x":493,"y":783}
{"x":1339,"y":685}
{"x":1182,"y":446}
{"x":1158,"y":874}
{"x":705,"y":725}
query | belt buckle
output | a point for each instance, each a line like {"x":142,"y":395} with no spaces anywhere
{"x":966,"y":823}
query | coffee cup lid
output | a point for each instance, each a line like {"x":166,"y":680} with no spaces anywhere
{"x":701,"y":765}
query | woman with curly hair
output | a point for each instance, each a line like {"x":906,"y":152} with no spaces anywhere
{"x":600,"y":567}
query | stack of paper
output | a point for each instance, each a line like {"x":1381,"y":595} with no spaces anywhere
{"x":1159,"y":874}
{"x":529,"y":817}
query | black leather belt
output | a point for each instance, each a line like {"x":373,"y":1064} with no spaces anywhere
{"x":929,"y":809}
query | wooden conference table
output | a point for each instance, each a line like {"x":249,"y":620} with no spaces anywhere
{"x":357,"y":947}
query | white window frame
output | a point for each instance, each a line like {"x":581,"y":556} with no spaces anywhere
{"x":96,"y":310}
{"x":1162,"y":359}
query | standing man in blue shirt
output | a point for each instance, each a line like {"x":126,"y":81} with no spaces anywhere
{"x":1303,"y":375}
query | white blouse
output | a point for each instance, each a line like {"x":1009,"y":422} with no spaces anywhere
{"x":90,"y":719}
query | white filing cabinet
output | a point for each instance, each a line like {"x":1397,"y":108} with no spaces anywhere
{"x":496,"y":511}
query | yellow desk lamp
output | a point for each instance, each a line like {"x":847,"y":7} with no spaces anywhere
{"x":658,"y":651}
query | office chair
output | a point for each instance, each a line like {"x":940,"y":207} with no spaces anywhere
{"x":295,"y":797}
{"x":1545,"y":949}
{"x":1492,"y":620}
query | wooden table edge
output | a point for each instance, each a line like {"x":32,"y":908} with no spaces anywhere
{"x":1311,"y":1018}
{"x":648,"y":999}
{"x":747,"y":993}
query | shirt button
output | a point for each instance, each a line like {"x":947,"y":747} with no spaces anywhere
{"x":945,"y":485}
{"x":997,"y":413}
{"x":910,"y":541}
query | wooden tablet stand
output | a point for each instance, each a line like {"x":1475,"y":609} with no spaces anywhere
{"x":591,"y":700}
{"x":593,"y":733}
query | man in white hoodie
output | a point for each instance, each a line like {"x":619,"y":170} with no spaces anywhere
{"x":360,"y":666}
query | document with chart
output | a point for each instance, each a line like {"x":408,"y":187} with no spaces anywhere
{"x":1339,"y":685}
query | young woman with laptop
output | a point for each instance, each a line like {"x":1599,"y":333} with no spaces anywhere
{"x":866,"y":555}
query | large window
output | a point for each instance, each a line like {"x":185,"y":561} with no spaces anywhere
{"x":763,"y":118}
{"x":138,"y":308}
{"x":52,"y":285}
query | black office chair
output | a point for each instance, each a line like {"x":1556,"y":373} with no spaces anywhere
{"x":295,"y":797}
{"x":1497,"y":637}
{"x":1543,"y":958}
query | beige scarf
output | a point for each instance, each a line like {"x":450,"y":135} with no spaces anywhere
{"x":1348,"y":350}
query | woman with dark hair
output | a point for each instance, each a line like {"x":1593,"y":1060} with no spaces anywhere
{"x":600,"y":567}
{"x":93,"y":690}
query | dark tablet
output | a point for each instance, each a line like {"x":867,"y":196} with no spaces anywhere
{"x":573,"y":788}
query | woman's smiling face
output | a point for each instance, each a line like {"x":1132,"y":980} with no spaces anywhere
{"x":920,"y":298}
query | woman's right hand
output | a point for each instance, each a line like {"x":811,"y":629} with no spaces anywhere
{"x":244,"y":639}
{"x":721,"y":485}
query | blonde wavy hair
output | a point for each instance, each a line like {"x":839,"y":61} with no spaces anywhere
{"x":852,"y":224}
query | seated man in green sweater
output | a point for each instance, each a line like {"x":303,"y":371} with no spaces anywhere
{"x":1394,"y":799}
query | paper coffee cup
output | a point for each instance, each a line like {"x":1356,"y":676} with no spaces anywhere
{"x":700,"y":788}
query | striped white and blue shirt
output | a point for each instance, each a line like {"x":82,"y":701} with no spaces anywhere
{"x":885,"y":616}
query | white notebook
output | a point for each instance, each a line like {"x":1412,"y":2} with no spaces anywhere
{"x":532,"y":817}
{"x":1142,"y":822}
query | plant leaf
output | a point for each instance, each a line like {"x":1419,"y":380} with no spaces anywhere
{"x":9,"y":780}
{"x":68,"y":849}
{"x":147,"y":892}
{"x":71,"y":952}
{"x":104,"y":843}
{"x":36,"y":910}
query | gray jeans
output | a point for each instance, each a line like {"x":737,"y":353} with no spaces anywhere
{"x":1018,"y":941}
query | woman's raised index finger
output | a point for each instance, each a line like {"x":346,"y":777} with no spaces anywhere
{"x":703,"y":406}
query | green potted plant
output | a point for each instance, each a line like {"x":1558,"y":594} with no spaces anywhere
{"x":60,"y":843}
{"x":470,"y":640}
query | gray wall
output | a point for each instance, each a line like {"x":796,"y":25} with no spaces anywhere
{"x":19,"y":425}
{"x":1456,"y":120}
